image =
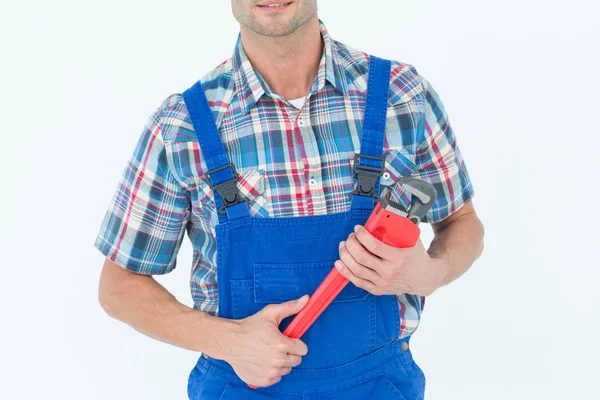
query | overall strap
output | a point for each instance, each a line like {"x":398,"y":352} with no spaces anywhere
{"x":369,"y":163}
{"x":221,"y":174}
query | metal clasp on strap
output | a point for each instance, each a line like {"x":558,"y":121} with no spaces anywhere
{"x":227,"y":190}
{"x":367,"y":175}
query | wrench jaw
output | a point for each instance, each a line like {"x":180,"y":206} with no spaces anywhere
{"x":390,"y":205}
{"x":424,"y":192}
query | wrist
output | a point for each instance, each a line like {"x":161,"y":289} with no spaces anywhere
{"x":441,"y":266}
{"x":222,"y":334}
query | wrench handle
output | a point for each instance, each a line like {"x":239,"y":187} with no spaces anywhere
{"x":331,"y":286}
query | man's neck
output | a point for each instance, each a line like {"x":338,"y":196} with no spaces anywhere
{"x":288,"y":63}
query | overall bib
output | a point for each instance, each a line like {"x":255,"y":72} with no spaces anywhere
{"x":353,"y":347}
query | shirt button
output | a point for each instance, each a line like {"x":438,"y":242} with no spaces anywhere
{"x":405,"y":346}
{"x":300,"y":122}
{"x":312,"y":182}
{"x":386,"y":175}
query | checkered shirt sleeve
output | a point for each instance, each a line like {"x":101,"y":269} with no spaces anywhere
{"x":146,"y":219}
{"x":439,"y":160}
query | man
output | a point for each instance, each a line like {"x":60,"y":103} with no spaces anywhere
{"x":255,"y":161}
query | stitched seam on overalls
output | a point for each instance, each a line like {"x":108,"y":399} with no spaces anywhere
{"x":360,"y":382}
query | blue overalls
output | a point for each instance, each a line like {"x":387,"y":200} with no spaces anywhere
{"x":353,"y":347}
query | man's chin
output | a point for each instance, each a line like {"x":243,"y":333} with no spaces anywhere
{"x":275,"y":25}
{"x":274,"y":29}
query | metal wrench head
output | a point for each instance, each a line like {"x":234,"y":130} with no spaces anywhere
{"x":425,"y":194}
{"x":390,"y":205}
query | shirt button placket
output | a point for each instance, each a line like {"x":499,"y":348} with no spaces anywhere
{"x":314,"y":190}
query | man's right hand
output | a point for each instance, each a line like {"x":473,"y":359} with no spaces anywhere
{"x":258,"y":352}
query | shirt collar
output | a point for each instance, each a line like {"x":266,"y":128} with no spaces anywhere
{"x":251,"y":86}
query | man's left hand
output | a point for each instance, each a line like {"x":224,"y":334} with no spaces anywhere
{"x":382,"y":269}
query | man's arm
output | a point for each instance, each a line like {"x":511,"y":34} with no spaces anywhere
{"x":459,"y":241}
{"x":145,"y":305}
{"x":259,"y":353}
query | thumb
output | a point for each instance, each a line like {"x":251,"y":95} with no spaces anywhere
{"x":282,"y":310}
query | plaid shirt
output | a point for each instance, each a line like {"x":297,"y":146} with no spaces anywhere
{"x":291,"y":162}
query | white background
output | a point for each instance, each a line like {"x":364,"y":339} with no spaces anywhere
{"x":519,"y":80}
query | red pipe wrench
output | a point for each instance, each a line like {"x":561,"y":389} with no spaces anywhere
{"x":390,"y":223}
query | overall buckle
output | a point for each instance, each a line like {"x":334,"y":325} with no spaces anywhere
{"x":227,"y":190}
{"x":367,"y":175}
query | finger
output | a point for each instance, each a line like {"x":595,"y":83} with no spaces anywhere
{"x":374,"y":245}
{"x":282,"y":310}
{"x":271,"y":381}
{"x":285,"y":370}
{"x":295,"y":347}
{"x":292,"y":360}
{"x":359,"y":260}
{"x":274,"y":381}
{"x":359,"y":282}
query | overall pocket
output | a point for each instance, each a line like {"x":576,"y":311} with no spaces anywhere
{"x":345,"y":331}
{"x":204,"y":385}
{"x":408,"y":379}
{"x":275,"y":283}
